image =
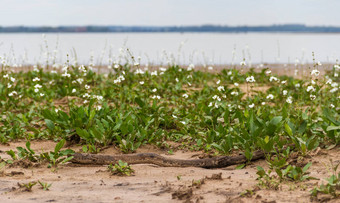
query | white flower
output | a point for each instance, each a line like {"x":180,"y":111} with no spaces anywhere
{"x":284,"y":92}
{"x":336,"y":75}
{"x":268,"y":72}
{"x":82,"y":68}
{"x":210,"y":104}
{"x":37,"y":86}
{"x":289,"y":100}
{"x":66,"y":74}
{"x":236,"y":84}
{"x":234,"y":93}
{"x":116,"y":66}
{"x":86,"y":95}
{"x":230,"y":73}
{"x":315,"y":72}
{"x":12,"y":93}
{"x":12,"y":79}
{"x":310,"y":89}
{"x":334,"y":90}
{"x":141,"y":82}
{"x":283,"y":82}
{"x":218,"y":82}
{"x":312,"y":97}
{"x":154,"y":90}
{"x":272,"y":78}
{"x":154,"y":73}
{"x":138,"y":71}
{"x":189,"y":76}
{"x":331,"y":105}
{"x":263,"y":103}
{"x":190,"y":67}
{"x":216,"y":105}
{"x":42,"y":94}
{"x":210,"y":68}
{"x":183,"y":122}
{"x":36,"y":79}
{"x":85,"y":101}
{"x":156,"y":97}
{"x":65,"y":68}
{"x":313,"y":82}
{"x":220,"y":88}
{"x":174,"y":116}
{"x":176,"y":80}
{"x":87,"y":87}
{"x":98,"y":108}
{"x":56,"y":110}
{"x":162,"y":69}
{"x":9,"y":85}
{"x":53,"y":72}
{"x":242,"y":63}
{"x":250,"y":79}
{"x":334,"y":84}
{"x":185,"y":95}
{"x":251,"y":105}
{"x":36,"y":90}
{"x":270,"y":96}
{"x":100,"y":98}
{"x":80,"y":80}
{"x":216,"y":98}
{"x":6,"y":76}
{"x":297,"y":85}
{"x":74,"y":90}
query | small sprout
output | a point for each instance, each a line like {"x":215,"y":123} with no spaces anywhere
{"x":28,"y":186}
{"x":44,"y":186}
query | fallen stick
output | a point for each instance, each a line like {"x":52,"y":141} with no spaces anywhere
{"x":152,"y":158}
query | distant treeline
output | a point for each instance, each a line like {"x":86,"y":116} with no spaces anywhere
{"x":203,"y":28}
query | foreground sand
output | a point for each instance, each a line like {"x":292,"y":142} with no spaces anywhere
{"x":74,"y":183}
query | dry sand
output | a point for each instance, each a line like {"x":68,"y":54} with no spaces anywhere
{"x":75,"y":183}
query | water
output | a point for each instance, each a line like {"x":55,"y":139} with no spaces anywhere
{"x":181,"y":48}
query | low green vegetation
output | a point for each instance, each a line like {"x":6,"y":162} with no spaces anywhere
{"x":234,"y":110}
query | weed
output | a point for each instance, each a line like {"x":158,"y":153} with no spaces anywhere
{"x":45,"y":186}
{"x":28,"y":186}
{"x":121,"y":169}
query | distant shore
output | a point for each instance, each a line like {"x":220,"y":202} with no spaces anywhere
{"x":286,"y":28}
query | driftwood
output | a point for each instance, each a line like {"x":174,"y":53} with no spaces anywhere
{"x":152,"y":158}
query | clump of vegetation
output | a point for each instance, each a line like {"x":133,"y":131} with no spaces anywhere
{"x":121,"y":169}
{"x":332,"y":187}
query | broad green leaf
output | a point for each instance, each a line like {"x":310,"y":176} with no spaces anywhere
{"x":49,"y":124}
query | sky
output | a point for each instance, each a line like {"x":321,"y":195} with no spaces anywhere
{"x":168,"y":12}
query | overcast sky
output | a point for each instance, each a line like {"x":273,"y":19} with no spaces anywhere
{"x":168,"y":12}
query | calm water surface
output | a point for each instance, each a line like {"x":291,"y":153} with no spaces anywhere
{"x":158,"y":48}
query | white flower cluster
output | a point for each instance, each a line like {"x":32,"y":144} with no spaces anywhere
{"x":250,"y":79}
{"x":156,"y":97}
{"x":119,"y":79}
{"x":12,"y":93}
{"x":220,"y":88}
{"x":139,"y":71}
{"x":191,"y":67}
{"x":270,"y":96}
{"x":289,"y":100}
{"x":310,"y":89}
{"x":315,"y":72}
{"x":272,"y":78}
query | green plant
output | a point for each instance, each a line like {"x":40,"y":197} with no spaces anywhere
{"x":332,"y":187}
{"x":44,"y":186}
{"x":58,"y":156}
{"x":122,"y":168}
{"x":28,"y":186}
